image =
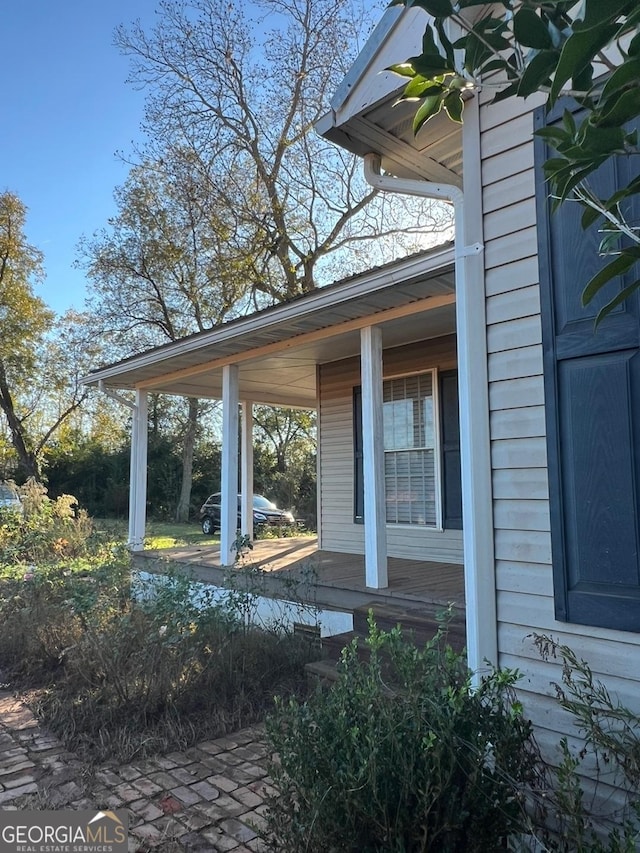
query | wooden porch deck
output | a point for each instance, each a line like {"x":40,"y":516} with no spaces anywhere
{"x":338,"y":580}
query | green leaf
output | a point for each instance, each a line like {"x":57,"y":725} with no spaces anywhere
{"x":445,"y":41}
{"x":429,"y":108}
{"x":622,"y":110}
{"x":537,"y":72}
{"x":589,"y":216}
{"x":420,"y":88}
{"x":577,"y":52}
{"x":428,"y":63}
{"x":624,"y":294}
{"x":569,"y":122}
{"x":454,"y":105}
{"x":429,"y":42}
{"x":437,"y":8}
{"x":631,"y":189}
{"x":552,"y":133}
{"x":476,"y":54}
{"x":583,"y":82}
{"x":599,"y":12}
{"x":599,"y":141}
{"x":404,"y":69}
{"x":497,"y":41}
{"x":553,"y":165}
{"x":634,"y":46}
{"x":530,"y":30}
{"x":627,"y":73}
{"x":614,"y":268}
{"x":565,"y":187}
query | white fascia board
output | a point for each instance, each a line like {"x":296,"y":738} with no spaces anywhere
{"x":317,"y":301}
{"x":367,"y":83}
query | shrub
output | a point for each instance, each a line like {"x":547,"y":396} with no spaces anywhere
{"x":46,"y":532}
{"x":400,"y":755}
{"x":42,"y":610}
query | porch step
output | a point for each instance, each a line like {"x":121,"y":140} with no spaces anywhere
{"x":420,"y":624}
{"x":322,"y":671}
{"x":325,"y":670}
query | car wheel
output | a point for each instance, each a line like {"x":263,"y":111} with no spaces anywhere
{"x":207,"y":526}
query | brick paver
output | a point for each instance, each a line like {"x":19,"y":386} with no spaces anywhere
{"x":209,"y":798}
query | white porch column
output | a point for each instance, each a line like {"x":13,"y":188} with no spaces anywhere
{"x":138,"y":473}
{"x":246,"y":469}
{"x":229,"y":485}
{"x":375,"y":517}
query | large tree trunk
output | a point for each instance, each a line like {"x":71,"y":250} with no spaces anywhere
{"x":182,"y":510}
{"x":26,"y":458}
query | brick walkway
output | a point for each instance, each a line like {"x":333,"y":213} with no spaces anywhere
{"x":208,"y":798}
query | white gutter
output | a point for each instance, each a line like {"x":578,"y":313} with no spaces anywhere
{"x":475,"y":458}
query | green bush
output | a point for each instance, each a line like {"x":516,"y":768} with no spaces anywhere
{"x":400,"y":755}
{"x":42,"y":610}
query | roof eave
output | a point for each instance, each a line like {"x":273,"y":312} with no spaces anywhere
{"x":317,"y":301}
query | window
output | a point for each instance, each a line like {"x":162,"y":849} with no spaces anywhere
{"x":410,"y":450}
{"x":422,"y":472}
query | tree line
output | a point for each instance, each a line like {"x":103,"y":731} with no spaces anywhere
{"x":96,"y":471}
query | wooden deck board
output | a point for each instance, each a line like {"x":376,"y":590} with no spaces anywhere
{"x":337,"y":576}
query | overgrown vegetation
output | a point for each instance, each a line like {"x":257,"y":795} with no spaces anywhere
{"x":46,"y":531}
{"x":115,"y":669}
{"x":400,"y":755}
{"x":586,"y":816}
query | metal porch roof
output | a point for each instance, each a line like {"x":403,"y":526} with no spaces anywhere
{"x":278,"y":349}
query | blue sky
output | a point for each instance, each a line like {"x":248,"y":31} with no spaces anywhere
{"x":66,"y":112}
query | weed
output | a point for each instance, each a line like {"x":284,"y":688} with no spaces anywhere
{"x":611,"y":744}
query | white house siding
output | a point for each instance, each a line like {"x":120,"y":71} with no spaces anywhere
{"x":516,"y":399}
{"x":336,"y":383}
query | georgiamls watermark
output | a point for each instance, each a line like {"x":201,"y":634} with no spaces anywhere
{"x":65,"y":831}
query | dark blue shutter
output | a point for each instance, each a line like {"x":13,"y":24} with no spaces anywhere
{"x":450,"y":450}
{"x":358,"y":474}
{"x":592,"y":397}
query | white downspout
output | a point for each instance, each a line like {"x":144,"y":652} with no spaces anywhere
{"x":475,"y":458}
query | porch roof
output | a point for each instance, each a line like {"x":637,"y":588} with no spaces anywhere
{"x":278,"y":349}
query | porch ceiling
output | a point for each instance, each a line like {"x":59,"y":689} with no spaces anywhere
{"x":278,"y":350}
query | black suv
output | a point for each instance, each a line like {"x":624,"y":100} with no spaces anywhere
{"x":264,"y":513}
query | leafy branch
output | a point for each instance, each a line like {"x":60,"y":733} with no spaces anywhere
{"x":589,"y":51}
